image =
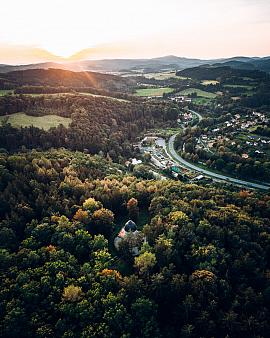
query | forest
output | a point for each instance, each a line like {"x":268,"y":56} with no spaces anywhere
{"x":220,"y":71}
{"x":98,"y":123}
{"x":203,"y":262}
{"x":203,"y":272}
{"x":58,"y":77}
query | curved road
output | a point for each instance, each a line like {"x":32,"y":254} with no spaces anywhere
{"x":176,"y":157}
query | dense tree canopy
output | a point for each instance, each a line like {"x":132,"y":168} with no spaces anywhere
{"x":203,"y":272}
{"x":202,"y":264}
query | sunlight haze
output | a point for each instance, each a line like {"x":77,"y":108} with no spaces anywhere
{"x":195,"y":28}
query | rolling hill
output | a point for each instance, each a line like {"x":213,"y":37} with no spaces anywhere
{"x":218,"y":71}
{"x":58,"y":77}
{"x":147,"y":65}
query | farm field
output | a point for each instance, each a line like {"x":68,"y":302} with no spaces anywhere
{"x":199,"y":92}
{"x":153,"y":91}
{"x":43,"y":122}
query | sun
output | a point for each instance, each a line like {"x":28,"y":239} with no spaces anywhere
{"x":63,"y":49}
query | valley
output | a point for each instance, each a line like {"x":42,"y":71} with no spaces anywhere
{"x":129,"y":201}
{"x":135,"y":169}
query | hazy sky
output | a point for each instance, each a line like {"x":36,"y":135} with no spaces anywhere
{"x":138,"y":28}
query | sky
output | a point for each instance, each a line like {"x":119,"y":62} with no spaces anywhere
{"x":39,"y":30}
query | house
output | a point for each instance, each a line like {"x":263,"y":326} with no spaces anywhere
{"x":129,"y":229}
{"x":134,"y":161}
{"x":198,"y":178}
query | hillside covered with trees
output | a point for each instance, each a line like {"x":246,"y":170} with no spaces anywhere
{"x":98,"y":123}
{"x":204,"y":271}
{"x":58,"y":78}
{"x":207,"y":72}
{"x":202,"y":265}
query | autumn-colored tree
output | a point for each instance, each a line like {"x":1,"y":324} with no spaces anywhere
{"x":72,"y":293}
{"x":133,"y":210}
{"x":81,"y":216}
{"x":112,"y":273}
{"x":244,"y":194}
{"x":178,"y":218}
{"x":91,"y":205}
{"x":103,"y":221}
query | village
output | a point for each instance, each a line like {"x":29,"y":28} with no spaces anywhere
{"x":153,"y":147}
{"x":237,"y":135}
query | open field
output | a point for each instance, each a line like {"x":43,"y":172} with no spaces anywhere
{"x":43,"y":122}
{"x":209,"y":82}
{"x":239,"y":86}
{"x":106,"y":97}
{"x":160,"y":76}
{"x":203,"y":101}
{"x":165,"y":133}
{"x":200,"y":93}
{"x":76,"y":93}
{"x":153,"y":91}
{"x":46,"y":94}
{"x":6,"y":91}
{"x":183,"y":77}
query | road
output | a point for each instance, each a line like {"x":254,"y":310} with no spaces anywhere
{"x":199,"y":115}
{"x":177,"y":158}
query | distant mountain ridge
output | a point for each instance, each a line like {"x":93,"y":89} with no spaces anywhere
{"x":170,"y":62}
{"x":221,"y":71}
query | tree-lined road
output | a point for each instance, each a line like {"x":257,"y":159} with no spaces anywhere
{"x":183,"y":163}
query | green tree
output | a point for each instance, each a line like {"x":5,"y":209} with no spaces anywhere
{"x":145,"y":262}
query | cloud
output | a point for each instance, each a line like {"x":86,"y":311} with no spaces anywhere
{"x":14,"y":54}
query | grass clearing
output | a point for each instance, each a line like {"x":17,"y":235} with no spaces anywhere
{"x":46,"y":94}
{"x":164,"y":133}
{"x":209,"y":82}
{"x":202,"y":101}
{"x":248,"y":87}
{"x":106,"y":97}
{"x":42,"y":122}
{"x":75,"y":93}
{"x":160,"y":76}
{"x":153,"y":91}
{"x":199,"y":92}
{"x":183,"y":77}
{"x":4,"y":92}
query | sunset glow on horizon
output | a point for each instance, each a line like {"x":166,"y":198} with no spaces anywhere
{"x":104,"y":28}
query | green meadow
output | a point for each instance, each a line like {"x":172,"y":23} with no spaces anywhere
{"x":43,"y":122}
{"x":153,"y":91}
{"x":199,"y":92}
{"x":6,"y":91}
